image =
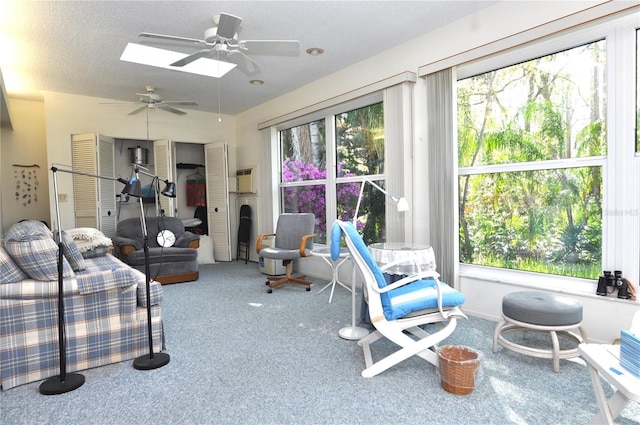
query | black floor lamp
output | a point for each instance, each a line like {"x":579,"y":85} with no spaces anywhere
{"x":151,"y":360}
{"x":64,"y":382}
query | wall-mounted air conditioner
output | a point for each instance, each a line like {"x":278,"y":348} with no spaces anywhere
{"x":245,"y":181}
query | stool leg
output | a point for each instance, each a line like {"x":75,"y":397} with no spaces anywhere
{"x":583,"y":333}
{"x":496,"y":335}
{"x":556,"y":351}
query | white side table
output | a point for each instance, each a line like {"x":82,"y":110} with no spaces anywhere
{"x":325,"y":254}
{"x":605,"y":360}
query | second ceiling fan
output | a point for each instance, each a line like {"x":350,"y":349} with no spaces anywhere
{"x":151,"y":100}
{"x":221,"y":43}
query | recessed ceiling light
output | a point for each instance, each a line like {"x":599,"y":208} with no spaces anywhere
{"x":256,"y":82}
{"x":315,"y":51}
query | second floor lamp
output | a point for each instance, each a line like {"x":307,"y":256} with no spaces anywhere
{"x":354,"y":332}
{"x":151,"y":360}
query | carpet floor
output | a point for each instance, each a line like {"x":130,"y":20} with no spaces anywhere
{"x":242,"y":356}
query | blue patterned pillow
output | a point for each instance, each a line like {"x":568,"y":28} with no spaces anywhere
{"x":31,"y":246}
{"x":9,"y":270}
{"x":71,"y":251}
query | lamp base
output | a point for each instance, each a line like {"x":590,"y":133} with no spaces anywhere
{"x":353,"y":332}
{"x":54,"y":385}
{"x":146,"y":362}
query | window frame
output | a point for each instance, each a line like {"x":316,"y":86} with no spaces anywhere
{"x":620,"y":167}
{"x":332,"y":180}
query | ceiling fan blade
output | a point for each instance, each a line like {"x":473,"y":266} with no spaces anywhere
{"x":135,"y":111}
{"x":244,"y":62}
{"x":192,"y":57}
{"x":172,"y":110}
{"x":272,"y":47}
{"x":118,"y":103}
{"x":181,"y":102}
{"x":171,"y":37}
{"x":228,"y":26}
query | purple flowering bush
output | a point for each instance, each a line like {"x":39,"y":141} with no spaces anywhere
{"x":313,"y":198}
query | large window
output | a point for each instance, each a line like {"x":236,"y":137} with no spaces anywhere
{"x":322,"y":166}
{"x":532,"y":145}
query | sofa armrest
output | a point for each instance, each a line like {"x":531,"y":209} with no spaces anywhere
{"x":188,"y":240}
{"x":125,"y":245}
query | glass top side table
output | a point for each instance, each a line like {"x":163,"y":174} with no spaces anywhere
{"x":407,"y":258}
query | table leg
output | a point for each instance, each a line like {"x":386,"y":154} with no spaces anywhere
{"x":334,"y":278}
{"x":608,"y":409}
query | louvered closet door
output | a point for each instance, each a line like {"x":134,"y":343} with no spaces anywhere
{"x":94,"y":198}
{"x":107,"y":188}
{"x":162,"y":157}
{"x":215,"y":155}
{"x":85,"y":189}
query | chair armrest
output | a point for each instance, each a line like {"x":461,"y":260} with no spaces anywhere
{"x":188,"y":240}
{"x":259,"y":240}
{"x":125,"y":245}
{"x":409,"y":279}
{"x":303,"y":245}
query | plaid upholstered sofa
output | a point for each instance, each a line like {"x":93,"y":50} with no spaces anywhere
{"x":105,"y":307}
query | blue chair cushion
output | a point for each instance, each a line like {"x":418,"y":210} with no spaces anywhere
{"x":418,"y":295}
{"x":415,"y":296}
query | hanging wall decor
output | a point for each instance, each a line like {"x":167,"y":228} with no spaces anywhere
{"x":27,"y":183}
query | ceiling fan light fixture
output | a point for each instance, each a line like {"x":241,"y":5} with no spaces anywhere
{"x":162,"y":58}
{"x":315,"y":51}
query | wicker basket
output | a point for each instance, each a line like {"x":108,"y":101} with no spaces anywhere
{"x":459,"y":367}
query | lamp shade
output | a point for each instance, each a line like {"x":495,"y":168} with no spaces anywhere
{"x":169,"y":190}
{"x":133,"y":188}
{"x":402,"y":205}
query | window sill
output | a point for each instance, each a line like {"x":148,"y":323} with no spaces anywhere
{"x":538,"y":281}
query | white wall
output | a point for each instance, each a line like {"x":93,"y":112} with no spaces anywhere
{"x":68,"y":114}
{"x":24,"y":144}
{"x":605,"y":316}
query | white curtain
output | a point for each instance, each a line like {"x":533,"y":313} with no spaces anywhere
{"x":442,"y":166}
{"x":398,"y":138}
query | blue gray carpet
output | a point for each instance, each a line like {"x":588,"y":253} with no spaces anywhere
{"x":242,"y":356}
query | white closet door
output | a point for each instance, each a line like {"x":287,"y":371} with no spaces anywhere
{"x":85,"y":189}
{"x":106,"y":187}
{"x":94,"y":198}
{"x":162,"y":160}
{"x":215,"y":155}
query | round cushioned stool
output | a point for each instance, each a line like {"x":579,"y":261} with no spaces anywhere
{"x":541,"y":311}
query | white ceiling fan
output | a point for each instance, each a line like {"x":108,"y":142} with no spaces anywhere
{"x":221,"y":43}
{"x":151,"y":100}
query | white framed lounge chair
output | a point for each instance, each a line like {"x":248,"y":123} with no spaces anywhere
{"x":398,"y":310}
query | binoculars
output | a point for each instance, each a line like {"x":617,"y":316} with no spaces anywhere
{"x":615,"y":281}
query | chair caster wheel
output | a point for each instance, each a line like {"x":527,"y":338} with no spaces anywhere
{"x":269,"y":291}
{"x":267,"y":282}
{"x":308,"y":289}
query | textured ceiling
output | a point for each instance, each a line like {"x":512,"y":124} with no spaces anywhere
{"x":74,"y":46}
